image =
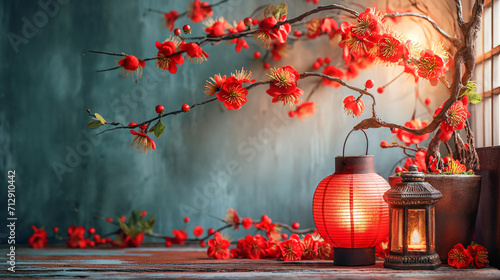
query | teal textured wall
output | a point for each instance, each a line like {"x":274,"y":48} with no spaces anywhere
{"x":256,"y":160}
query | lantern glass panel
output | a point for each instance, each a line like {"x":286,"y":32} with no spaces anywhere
{"x":432,"y":228}
{"x":397,"y":230}
{"x":416,"y":230}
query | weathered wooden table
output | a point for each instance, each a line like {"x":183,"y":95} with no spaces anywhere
{"x":193,"y":263}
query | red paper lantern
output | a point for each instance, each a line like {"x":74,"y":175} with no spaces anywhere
{"x":350,"y":212}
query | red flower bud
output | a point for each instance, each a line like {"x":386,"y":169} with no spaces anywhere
{"x":186,"y":219}
{"x":295,"y":225}
{"x":177,"y":32}
{"x":256,"y":55}
{"x":369,"y":84}
{"x":380,"y":90}
{"x":160,"y":109}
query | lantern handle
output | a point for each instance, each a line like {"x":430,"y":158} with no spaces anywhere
{"x":343,"y":149}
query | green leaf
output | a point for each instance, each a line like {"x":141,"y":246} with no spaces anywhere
{"x":152,"y":128}
{"x":474,"y":97}
{"x":94,"y":124}
{"x":270,"y":10}
{"x":123,"y":226}
{"x":99,"y":118}
{"x":159,"y":128}
{"x":281,"y":10}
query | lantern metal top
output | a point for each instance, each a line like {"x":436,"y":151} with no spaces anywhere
{"x":412,"y":190}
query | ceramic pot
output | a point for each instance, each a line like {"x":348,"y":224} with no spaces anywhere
{"x":456,"y":211}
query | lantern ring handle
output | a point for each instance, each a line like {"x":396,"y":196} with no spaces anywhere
{"x":343,"y":149}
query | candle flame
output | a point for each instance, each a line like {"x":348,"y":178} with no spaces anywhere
{"x":415,"y":238}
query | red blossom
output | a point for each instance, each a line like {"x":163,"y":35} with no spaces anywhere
{"x":247,"y":223}
{"x":132,"y":241}
{"x":456,"y":116}
{"x":264,"y":223}
{"x":358,"y":38}
{"x":218,"y":247}
{"x":458,"y":257}
{"x":332,"y":71}
{"x":199,"y":11}
{"x":455,"y":167}
{"x":284,"y":85}
{"x":284,"y":80}
{"x":218,"y":28}
{"x":254,"y":247}
{"x":38,"y":239}
{"x":198,"y":231}
{"x":302,"y":110}
{"x":479,"y":255}
{"x":310,"y":247}
{"x":76,"y":237}
{"x":170,"y":19}
{"x":390,"y":48}
{"x":325,"y":250}
{"x":214,"y":84}
{"x":233,"y":94}
{"x":169,"y":56}
{"x":194,"y":51}
{"x":353,"y":106}
{"x":131,"y":64}
{"x":273,"y":250}
{"x":291,"y":249}
{"x":267,"y":33}
{"x":142,"y":142}
{"x":368,"y":24}
{"x":431,"y":66}
{"x":180,"y":237}
{"x":232,"y":218}
{"x":240,"y":42}
{"x":410,"y":138}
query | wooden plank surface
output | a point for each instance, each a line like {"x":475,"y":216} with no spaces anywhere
{"x":192,"y":263}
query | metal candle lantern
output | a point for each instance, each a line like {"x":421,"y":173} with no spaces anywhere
{"x":411,"y":226}
{"x":350,"y":212}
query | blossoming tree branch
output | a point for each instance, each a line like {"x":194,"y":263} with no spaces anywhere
{"x":366,"y":38}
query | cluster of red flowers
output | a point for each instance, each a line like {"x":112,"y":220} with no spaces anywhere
{"x":456,"y":116}
{"x":77,"y":237}
{"x":230,"y":90}
{"x":369,"y":37}
{"x":258,"y":247}
{"x":475,"y":254}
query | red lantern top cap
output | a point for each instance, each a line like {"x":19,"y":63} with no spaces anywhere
{"x":354,"y":165}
